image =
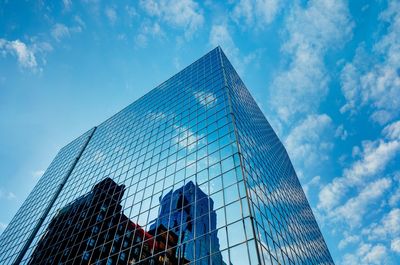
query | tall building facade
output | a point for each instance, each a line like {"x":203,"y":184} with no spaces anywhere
{"x":191,"y":173}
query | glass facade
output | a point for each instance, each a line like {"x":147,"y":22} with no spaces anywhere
{"x":191,"y":173}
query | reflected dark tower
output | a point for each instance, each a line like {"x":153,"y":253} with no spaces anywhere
{"x":104,"y":234}
{"x":86,"y":221}
{"x":189,"y":213}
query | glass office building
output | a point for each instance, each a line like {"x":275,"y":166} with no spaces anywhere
{"x":191,"y":173}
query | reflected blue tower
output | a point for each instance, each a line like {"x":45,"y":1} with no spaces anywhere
{"x":192,"y":208}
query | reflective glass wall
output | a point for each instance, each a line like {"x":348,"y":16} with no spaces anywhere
{"x":28,"y":217}
{"x":162,"y":182}
{"x":285,"y":227}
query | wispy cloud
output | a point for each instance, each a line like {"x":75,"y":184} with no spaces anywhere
{"x":341,"y":132}
{"x":314,"y":182}
{"x":366,"y":190}
{"x":8,"y":195}
{"x":372,"y":79}
{"x":395,"y":245}
{"x":25,"y":54}
{"x":220,"y":35}
{"x":372,"y":247}
{"x":61,"y":31}
{"x":389,"y":226}
{"x":347,"y":240}
{"x":367,"y":254}
{"x":311,"y":31}
{"x":256,"y":14}
{"x":185,"y":14}
{"x":392,"y":131}
{"x":302,"y":82}
{"x":148,"y":30}
{"x":309,"y":142}
{"x":67,"y":5}
{"x":374,"y":158}
{"x":111,"y":14}
{"x":394,"y":198}
{"x":361,"y":203}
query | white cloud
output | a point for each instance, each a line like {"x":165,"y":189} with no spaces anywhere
{"x":221,"y":36}
{"x":8,"y":195}
{"x":314,"y":182}
{"x":185,"y":14}
{"x":387,"y":230}
{"x":381,"y":116}
{"x":360,"y":203}
{"x":25,"y":55}
{"x":367,"y":254}
{"x":392,"y":131}
{"x":111,"y":14}
{"x":131,"y":11}
{"x":301,"y":88}
{"x":374,"y":158}
{"x":341,"y":132}
{"x":312,"y":30}
{"x":308,"y":143}
{"x":141,"y":40}
{"x":377,"y":84}
{"x":395,"y":198}
{"x":177,"y":63}
{"x":80,"y":24}
{"x":67,"y":5}
{"x":61,"y":31}
{"x":376,"y":155}
{"x":375,"y":255}
{"x":257,"y":13}
{"x":389,"y":226}
{"x":148,"y":30}
{"x":395,"y":245}
{"x":347,"y":240}
{"x":349,"y":84}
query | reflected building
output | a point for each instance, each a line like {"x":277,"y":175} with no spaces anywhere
{"x":188,"y":212}
{"x":94,"y":230}
{"x":190,"y":173}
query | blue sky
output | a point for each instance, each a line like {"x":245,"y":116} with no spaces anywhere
{"x":325,"y":73}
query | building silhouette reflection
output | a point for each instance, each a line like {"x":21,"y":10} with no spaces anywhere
{"x":188,"y":212}
{"x":93,"y":230}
